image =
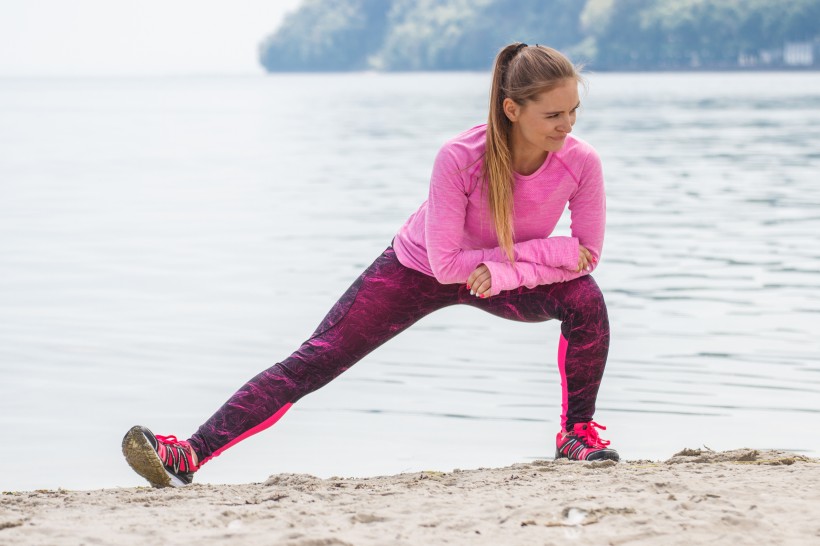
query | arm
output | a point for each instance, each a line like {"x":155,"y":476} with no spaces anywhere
{"x":557,"y":251}
{"x":444,"y":227}
{"x":446,"y":213}
{"x":506,"y":277}
{"x":587,"y":207}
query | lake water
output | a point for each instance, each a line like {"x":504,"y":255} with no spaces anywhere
{"x":162,"y":240}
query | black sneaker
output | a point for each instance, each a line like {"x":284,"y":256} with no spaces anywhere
{"x":162,"y":460}
{"x":583,"y":444}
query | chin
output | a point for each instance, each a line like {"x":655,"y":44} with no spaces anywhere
{"x":555,"y":147}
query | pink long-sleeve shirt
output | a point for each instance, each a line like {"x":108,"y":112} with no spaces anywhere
{"x":452,"y":232}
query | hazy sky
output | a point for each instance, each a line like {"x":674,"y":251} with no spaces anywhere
{"x":102,"y":37}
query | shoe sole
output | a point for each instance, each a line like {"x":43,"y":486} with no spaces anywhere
{"x":141,"y":456}
{"x":612,"y":456}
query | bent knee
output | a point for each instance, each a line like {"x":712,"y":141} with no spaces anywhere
{"x":585,"y":298}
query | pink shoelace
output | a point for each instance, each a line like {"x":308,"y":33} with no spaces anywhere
{"x":182,"y":448}
{"x":589,"y":435}
{"x":171,"y":440}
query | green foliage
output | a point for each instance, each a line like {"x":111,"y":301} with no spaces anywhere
{"x":324,"y":35}
{"x":428,"y":35}
{"x":692,"y":33}
{"x":466,"y":34}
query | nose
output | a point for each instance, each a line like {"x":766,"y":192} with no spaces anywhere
{"x":565,"y":126}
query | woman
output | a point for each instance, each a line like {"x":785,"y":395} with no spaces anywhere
{"x":481,"y":239}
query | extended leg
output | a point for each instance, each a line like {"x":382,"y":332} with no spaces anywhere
{"x":387,"y":298}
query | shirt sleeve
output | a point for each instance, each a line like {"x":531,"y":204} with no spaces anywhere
{"x":508,"y":277}
{"x":557,"y":251}
{"x":450,"y":185}
{"x":444,"y":225}
{"x":537,"y":261}
{"x":587,"y":206}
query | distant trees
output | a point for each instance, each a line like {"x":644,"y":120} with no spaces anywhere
{"x":325,"y":35}
{"x":466,"y":34}
{"x":695,"y":33}
{"x":607,"y":34}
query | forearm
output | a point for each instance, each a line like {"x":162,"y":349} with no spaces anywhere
{"x":550,"y":251}
{"x":506,"y":276}
{"x":456,"y":264}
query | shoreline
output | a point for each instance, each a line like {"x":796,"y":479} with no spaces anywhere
{"x":743,"y":496}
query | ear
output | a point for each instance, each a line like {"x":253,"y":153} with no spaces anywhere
{"x":511,"y":109}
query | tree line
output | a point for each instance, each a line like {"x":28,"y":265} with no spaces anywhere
{"x":401,"y":35}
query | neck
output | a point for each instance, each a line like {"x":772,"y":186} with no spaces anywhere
{"x":525,"y":159}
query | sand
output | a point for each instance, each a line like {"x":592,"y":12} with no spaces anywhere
{"x":697,"y":496}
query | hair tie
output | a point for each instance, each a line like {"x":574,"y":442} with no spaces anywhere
{"x":507,"y":62}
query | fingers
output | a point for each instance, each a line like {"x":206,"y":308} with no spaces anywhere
{"x":586,"y":259}
{"x":480,"y":282}
{"x":471,"y":279}
{"x":583,"y":263}
{"x":482,"y":287}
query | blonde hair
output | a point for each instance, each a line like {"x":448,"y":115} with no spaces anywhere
{"x":521,"y":73}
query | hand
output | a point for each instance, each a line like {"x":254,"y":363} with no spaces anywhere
{"x":480,"y":281}
{"x":585,"y":259}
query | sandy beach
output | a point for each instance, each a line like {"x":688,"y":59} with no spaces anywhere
{"x":697,"y":496}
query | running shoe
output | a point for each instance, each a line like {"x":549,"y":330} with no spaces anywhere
{"x":162,"y":460}
{"x":583,"y":444}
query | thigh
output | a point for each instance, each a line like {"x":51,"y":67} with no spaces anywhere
{"x":541,"y":303}
{"x":387,"y":298}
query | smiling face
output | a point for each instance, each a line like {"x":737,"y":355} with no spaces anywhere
{"x":541,"y":125}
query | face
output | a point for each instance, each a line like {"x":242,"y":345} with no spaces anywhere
{"x":542,"y":125}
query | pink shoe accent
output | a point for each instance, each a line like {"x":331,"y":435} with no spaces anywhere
{"x":563,"y":344}
{"x":258,"y":428}
{"x":587,"y":432}
{"x":176,"y":453}
{"x":583,"y":443}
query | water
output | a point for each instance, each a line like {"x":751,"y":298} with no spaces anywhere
{"x":163,"y":240}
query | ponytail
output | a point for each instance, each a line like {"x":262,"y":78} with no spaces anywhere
{"x":498,"y":178}
{"x":520,"y":76}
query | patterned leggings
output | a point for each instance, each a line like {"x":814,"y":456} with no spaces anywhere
{"x":389,"y":297}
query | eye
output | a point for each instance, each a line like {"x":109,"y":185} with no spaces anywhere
{"x":555,"y":115}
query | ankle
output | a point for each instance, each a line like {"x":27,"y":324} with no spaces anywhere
{"x":194,"y":457}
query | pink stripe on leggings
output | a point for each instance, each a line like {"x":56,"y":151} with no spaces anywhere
{"x":563,"y":344}
{"x":258,"y":428}
{"x":384,"y":301}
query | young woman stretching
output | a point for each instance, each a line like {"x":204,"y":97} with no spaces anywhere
{"x":481,"y":239}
